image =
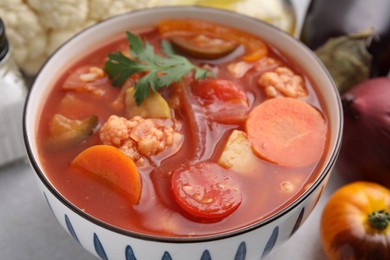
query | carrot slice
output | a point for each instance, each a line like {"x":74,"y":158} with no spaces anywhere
{"x":287,"y":131}
{"x":113,"y":167}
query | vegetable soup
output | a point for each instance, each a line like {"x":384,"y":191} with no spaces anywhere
{"x":189,"y":128}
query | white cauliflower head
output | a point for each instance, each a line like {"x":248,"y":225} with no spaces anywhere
{"x":36,"y":28}
{"x":25,"y":33}
{"x":60,"y":14}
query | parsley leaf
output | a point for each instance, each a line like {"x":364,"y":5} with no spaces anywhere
{"x":160,"y":72}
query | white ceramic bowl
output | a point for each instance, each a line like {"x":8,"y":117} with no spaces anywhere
{"x":251,"y":242}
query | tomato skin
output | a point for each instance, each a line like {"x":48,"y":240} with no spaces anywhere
{"x":223,"y":100}
{"x":219,"y":90}
{"x":346,"y":232}
{"x":206,"y":191}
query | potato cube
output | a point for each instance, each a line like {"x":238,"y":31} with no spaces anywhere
{"x":237,"y":154}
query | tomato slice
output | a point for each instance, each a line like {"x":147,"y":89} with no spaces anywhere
{"x":224,"y":100}
{"x":206,"y":190}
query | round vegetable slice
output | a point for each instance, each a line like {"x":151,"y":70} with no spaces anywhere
{"x":255,"y":48}
{"x":113,"y":167}
{"x":206,"y":190}
{"x":203,"y":47}
{"x":287,"y":131}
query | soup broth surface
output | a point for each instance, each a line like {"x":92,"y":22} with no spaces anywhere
{"x":204,"y":117}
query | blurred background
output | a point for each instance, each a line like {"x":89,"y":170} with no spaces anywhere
{"x":31,"y":30}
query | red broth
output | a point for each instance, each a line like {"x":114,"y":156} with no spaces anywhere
{"x":268,"y":188}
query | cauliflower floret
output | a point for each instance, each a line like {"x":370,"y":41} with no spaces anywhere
{"x":102,"y":9}
{"x":25,"y":33}
{"x":61,"y":14}
{"x":36,"y":28}
{"x":283,"y":82}
{"x":59,"y":36}
{"x":138,"y":137}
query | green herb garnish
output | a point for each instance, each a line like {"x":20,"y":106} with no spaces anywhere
{"x":160,"y":71}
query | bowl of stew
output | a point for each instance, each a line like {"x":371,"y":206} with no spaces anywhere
{"x":182,"y":133}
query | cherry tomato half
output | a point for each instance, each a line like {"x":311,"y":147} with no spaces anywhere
{"x":206,"y":190}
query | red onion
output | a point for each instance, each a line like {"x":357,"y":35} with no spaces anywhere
{"x":365,"y":152}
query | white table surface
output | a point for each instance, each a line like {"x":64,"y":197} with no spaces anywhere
{"x":29,"y":231}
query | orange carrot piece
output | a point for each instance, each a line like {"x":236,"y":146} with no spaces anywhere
{"x":287,"y":131}
{"x":113,"y":167}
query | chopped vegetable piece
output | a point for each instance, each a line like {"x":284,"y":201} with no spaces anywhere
{"x":197,"y":122}
{"x":86,"y":79}
{"x":224,"y":100}
{"x":155,"y":106}
{"x":138,"y":137}
{"x":240,"y":68}
{"x":161,"y":71}
{"x":72,"y":106}
{"x":283,"y":82}
{"x":206,"y":191}
{"x":219,"y":90}
{"x":202,"y":46}
{"x":287,"y":131}
{"x":65,"y":132}
{"x":238,"y":155}
{"x":255,"y":48}
{"x":267,"y":63}
{"x":113,"y":167}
